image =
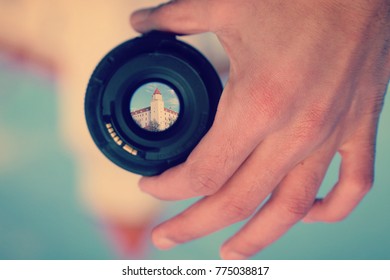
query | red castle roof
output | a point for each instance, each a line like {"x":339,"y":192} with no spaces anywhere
{"x":157,"y":92}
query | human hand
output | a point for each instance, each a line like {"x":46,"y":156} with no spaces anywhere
{"x":306,"y":81}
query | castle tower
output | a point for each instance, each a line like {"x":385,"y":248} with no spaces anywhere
{"x":157,"y":110}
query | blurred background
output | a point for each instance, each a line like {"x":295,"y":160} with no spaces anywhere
{"x":61,"y":199}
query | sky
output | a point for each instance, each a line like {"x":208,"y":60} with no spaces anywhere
{"x":143,"y":96}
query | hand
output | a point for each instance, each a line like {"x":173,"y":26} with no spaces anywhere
{"x":306,"y":81}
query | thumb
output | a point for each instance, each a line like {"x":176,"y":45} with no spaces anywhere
{"x":180,"y":16}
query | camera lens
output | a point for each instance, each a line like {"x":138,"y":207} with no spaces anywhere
{"x":150,"y":101}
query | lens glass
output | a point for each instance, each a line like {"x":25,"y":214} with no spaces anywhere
{"x":155,"y":106}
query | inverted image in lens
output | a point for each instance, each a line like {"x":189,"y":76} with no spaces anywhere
{"x":154,"y":106}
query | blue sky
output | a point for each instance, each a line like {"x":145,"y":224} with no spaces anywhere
{"x":143,"y":96}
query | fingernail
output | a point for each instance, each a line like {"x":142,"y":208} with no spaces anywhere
{"x":232,"y":255}
{"x":164,"y":243}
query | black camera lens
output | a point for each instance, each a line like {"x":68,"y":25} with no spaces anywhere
{"x":150,"y":101}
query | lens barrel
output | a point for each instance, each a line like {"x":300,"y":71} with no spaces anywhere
{"x":150,"y":101}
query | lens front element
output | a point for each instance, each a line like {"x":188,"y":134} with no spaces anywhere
{"x":154,"y":106}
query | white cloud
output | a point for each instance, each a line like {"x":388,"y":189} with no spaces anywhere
{"x":173,"y":101}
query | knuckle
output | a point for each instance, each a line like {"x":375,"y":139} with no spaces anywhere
{"x":267,"y":107}
{"x":264,"y":100}
{"x":365,"y":184}
{"x":294,"y":209}
{"x":236,"y":209}
{"x":203,"y":179}
{"x":310,"y":181}
{"x":312,"y":125}
{"x":360,"y":186}
{"x":313,"y":179}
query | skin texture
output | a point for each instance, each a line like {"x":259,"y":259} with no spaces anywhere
{"x":306,"y":82}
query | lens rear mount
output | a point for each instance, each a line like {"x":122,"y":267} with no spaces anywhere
{"x":150,"y":101}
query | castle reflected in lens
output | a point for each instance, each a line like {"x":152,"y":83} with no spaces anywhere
{"x":155,"y":106}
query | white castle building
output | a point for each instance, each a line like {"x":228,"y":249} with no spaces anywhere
{"x":155,"y":117}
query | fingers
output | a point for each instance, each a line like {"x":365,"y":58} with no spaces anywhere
{"x":210,"y":165}
{"x":287,"y":205}
{"x":355,"y":180}
{"x":236,"y":201}
{"x":182,"y":17}
{"x":215,"y":159}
